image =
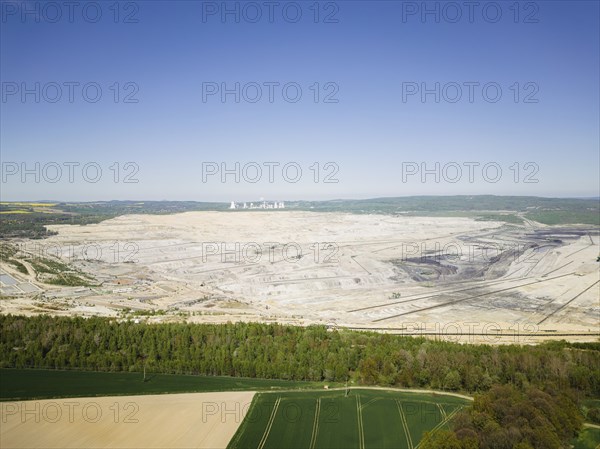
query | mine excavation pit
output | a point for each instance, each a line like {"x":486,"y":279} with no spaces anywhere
{"x":356,"y":270}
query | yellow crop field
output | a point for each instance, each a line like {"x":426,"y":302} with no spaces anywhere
{"x":3,"y":203}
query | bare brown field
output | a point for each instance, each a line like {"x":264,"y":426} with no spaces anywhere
{"x":195,"y":420}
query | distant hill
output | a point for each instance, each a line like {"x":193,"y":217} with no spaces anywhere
{"x":28,"y":219}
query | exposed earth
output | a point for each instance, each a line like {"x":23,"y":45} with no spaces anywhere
{"x":198,"y":420}
{"x":404,"y":274}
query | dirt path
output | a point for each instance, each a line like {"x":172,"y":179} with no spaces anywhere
{"x":401,"y":390}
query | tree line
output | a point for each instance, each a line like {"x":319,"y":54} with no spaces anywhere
{"x":506,"y":417}
{"x":275,"y":351}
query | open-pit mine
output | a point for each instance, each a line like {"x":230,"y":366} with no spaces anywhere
{"x":464,"y":279}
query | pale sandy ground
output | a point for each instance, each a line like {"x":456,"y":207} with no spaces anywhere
{"x":195,"y":420}
{"x":362,"y":279}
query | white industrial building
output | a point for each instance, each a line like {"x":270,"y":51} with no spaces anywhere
{"x":261,"y":205}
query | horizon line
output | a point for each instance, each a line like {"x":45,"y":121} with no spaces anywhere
{"x":297,"y":200}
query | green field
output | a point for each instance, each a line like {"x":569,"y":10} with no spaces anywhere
{"x":589,"y":438}
{"x":364,"y":418}
{"x":23,"y":384}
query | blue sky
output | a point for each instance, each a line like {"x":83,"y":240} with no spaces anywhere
{"x":370,"y":136}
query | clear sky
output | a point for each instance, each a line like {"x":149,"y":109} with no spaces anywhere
{"x":375,"y":58}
